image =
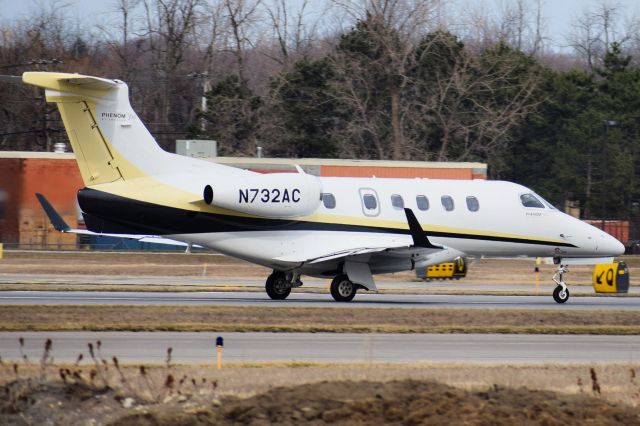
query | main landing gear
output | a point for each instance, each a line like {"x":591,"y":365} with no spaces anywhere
{"x":561,"y":292}
{"x":342,"y":289}
{"x":279,"y":284}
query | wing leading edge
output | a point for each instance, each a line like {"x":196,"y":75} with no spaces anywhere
{"x":418,"y":250}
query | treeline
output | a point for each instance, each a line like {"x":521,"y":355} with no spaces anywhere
{"x":366,"y":79}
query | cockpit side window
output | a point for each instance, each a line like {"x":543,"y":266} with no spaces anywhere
{"x":530,"y":200}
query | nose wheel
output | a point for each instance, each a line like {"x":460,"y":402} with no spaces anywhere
{"x":561,"y":292}
{"x":560,"y":295}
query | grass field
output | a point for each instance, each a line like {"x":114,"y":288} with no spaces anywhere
{"x":362,"y":320}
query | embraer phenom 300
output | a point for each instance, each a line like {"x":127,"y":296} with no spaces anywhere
{"x":347,"y":229}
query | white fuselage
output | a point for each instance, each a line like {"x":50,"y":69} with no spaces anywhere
{"x":499,"y":225}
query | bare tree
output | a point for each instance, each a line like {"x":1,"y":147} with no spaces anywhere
{"x":169,"y":38}
{"x":393,"y":26}
{"x":209,"y":32}
{"x":119,"y":37}
{"x":241,"y":15}
{"x":293,"y":34}
{"x":596,"y":30}
{"x":520,"y":24}
{"x":586,"y":39}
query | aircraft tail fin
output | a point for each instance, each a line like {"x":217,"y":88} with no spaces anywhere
{"x":109,"y":140}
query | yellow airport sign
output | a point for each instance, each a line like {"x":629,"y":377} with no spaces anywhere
{"x":611,"y":278}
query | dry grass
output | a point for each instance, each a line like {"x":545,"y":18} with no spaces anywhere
{"x":129,"y":264}
{"x":617,"y":381}
{"x":362,"y":320}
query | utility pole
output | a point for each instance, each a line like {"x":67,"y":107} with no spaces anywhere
{"x":605,"y":173}
{"x":206,"y":87}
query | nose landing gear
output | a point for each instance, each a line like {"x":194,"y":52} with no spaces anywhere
{"x":561,"y":292}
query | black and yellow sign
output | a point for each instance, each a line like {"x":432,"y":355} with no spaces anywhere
{"x":611,"y":278}
{"x":444,"y":271}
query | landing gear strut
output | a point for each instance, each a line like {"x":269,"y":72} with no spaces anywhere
{"x":343,"y":289}
{"x":561,"y":292}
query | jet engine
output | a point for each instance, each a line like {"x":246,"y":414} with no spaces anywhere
{"x":268,"y":195}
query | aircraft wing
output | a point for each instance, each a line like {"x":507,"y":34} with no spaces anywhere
{"x":418,"y":249}
{"x":60,"y":225}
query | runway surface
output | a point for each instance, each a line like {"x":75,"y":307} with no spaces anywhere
{"x":361,"y":300}
{"x":545,"y":287}
{"x":328,"y":347}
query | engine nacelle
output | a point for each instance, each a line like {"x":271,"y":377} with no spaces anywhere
{"x":268,"y":195}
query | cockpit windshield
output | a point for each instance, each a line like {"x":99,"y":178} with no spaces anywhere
{"x":535,"y":201}
{"x":530,"y":200}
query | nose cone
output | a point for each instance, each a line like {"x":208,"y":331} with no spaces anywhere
{"x":609,"y":246}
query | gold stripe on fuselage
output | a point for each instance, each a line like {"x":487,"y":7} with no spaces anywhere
{"x":151,"y":190}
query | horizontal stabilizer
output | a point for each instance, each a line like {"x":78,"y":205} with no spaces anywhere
{"x":13,"y":79}
{"x":67,"y":81}
{"x":56,"y":220}
{"x":93,"y":82}
{"x":60,"y":225}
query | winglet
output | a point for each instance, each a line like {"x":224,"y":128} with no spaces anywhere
{"x":56,"y":220}
{"x":419,"y":237}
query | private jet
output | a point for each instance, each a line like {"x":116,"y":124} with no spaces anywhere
{"x":344,"y":229}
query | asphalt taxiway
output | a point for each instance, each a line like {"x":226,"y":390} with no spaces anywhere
{"x":199,"y":348}
{"x":300,"y":299}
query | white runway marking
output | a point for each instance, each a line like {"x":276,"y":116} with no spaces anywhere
{"x":362,"y":300}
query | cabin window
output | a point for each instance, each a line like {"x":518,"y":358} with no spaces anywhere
{"x":472,"y":204}
{"x":530,"y":200}
{"x":422,"y":202}
{"x":397,"y":202}
{"x":370,"y":205}
{"x":447,"y":203}
{"x":370,"y":202}
{"x":329,"y":201}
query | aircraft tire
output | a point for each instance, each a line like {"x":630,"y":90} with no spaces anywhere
{"x":276,"y":286}
{"x":559,"y":296}
{"x":342,"y":289}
